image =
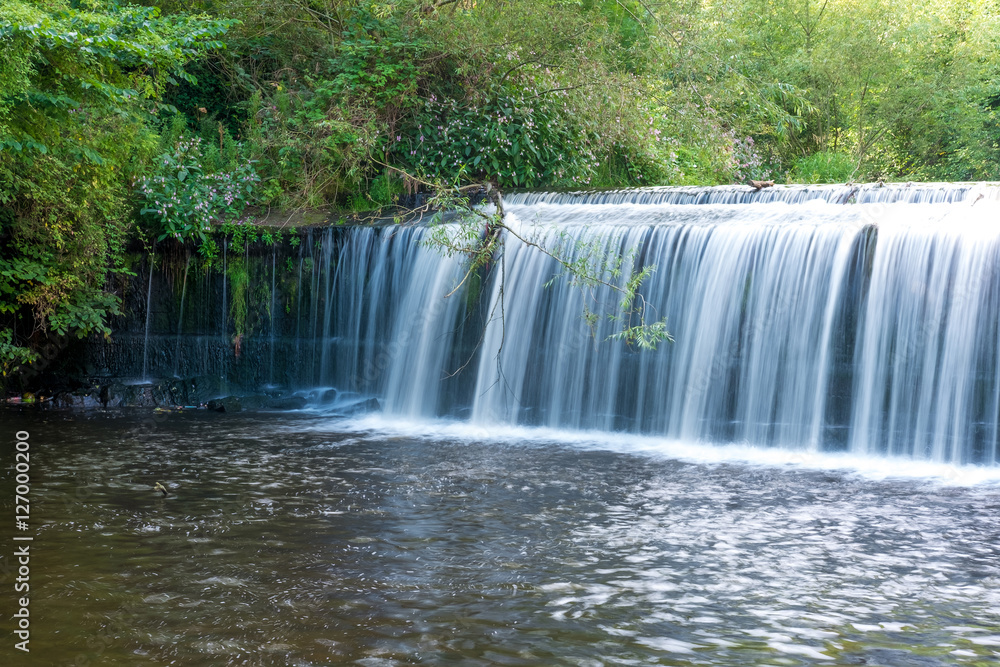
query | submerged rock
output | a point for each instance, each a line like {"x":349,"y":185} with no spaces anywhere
{"x":363,"y":407}
{"x":255,"y":402}
{"x":288,"y":403}
{"x":79,"y":399}
{"x":227,"y":404}
{"x":202,"y":388}
{"x":329,"y":396}
{"x":111,"y":395}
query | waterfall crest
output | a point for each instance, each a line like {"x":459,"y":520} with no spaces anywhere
{"x":862,"y":193}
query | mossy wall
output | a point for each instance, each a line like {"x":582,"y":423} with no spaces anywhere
{"x":314,"y":311}
{"x":246,"y":317}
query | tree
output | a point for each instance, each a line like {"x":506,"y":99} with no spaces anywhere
{"x":78,"y":82}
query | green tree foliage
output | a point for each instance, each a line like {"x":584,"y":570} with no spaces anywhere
{"x":78,"y":81}
{"x":523,"y":93}
{"x":551,"y":93}
{"x":902,"y":89}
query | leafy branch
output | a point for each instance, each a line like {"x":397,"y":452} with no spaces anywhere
{"x":480,"y":232}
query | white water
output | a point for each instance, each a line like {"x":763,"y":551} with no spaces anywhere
{"x":861,"y":193}
{"x":702,"y":453}
{"x":800,"y":324}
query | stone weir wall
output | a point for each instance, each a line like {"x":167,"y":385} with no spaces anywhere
{"x":193,"y":332}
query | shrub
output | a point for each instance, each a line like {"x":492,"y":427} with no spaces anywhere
{"x":824,"y":167}
{"x":184,"y":201}
{"x":517,"y":141}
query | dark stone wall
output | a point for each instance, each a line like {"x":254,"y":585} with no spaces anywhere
{"x":191,"y":330}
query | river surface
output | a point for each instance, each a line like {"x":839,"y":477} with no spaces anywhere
{"x":301,"y":539}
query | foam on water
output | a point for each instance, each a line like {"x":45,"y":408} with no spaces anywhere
{"x":707,"y":453}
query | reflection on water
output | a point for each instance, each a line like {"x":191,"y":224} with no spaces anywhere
{"x":291,"y":540}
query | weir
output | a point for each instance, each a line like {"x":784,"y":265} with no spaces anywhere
{"x":827,"y":318}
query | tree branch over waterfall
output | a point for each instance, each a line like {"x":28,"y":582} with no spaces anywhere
{"x":482,"y":232}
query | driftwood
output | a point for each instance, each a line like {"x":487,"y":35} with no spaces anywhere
{"x":759,"y":185}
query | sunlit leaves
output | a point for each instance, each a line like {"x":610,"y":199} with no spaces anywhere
{"x":898,"y":86}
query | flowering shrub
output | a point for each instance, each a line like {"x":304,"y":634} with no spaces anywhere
{"x":747,"y":163}
{"x":185,"y":201}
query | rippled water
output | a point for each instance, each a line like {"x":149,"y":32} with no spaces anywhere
{"x":301,"y":540}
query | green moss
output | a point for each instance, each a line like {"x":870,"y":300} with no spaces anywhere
{"x":239,"y":286}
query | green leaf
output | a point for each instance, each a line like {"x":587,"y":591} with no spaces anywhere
{"x":92,"y":155}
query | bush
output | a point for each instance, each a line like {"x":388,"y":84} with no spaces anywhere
{"x":184,"y":201}
{"x":514,"y":140}
{"x":824,"y":167}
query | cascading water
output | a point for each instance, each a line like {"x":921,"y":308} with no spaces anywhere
{"x":271,"y":313}
{"x":827,"y":318}
{"x":864,"y":193}
{"x":926,"y":371}
{"x":799,"y":323}
{"x":747,"y":304}
{"x":223,"y":320}
{"x":149,"y":316}
{"x":180,"y":318}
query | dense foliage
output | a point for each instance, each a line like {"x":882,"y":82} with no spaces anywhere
{"x":78,"y":87}
{"x":896,"y":89}
{"x":330,"y":94}
{"x":122,"y":121}
{"x":191,"y":189}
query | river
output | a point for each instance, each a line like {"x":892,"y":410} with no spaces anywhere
{"x":298,"y":538}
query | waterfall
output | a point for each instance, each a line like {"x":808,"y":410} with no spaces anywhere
{"x":926,"y":369}
{"x":852,"y":318}
{"x":149,"y":315}
{"x":270,"y":314}
{"x":180,"y":317}
{"x":224,"y":346}
{"x":830,"y":318}
{"x":748,"y":302}
{"x":385,"y":320}
{"x":866,"y":193}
